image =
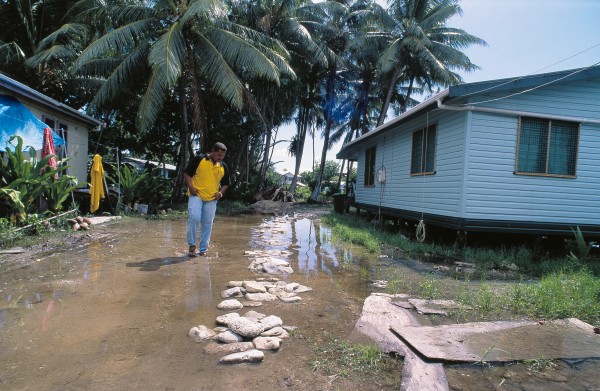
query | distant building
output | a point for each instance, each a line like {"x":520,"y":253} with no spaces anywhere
{"x":286,"y":180}
{"x":166,"y":170}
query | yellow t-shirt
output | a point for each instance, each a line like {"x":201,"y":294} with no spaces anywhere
{"x":207,"y":178}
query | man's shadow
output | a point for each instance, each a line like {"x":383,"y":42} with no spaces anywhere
{"x":154,"y":264}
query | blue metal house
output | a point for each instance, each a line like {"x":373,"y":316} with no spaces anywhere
{"x":517,"y":155}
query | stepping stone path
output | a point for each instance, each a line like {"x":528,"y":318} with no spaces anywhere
{"x":243,"y":338}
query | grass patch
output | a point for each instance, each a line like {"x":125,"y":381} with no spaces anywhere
{"x":335,"y":357}
{"x":567,"y":288}
{"x":359,"y":233}
{"x":559,"y":295}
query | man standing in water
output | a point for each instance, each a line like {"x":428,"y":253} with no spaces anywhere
{"x":207,"y":179}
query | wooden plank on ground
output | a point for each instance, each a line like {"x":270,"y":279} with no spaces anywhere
{"x":378,"y":314}
{"x":503,"y":341}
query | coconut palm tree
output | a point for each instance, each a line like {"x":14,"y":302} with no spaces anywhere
{"x":285,"y":21}
{"x":334,"y":34}
{"x":185,"y":48}
{"x":423,"y":50}
{"x":37,"y":46}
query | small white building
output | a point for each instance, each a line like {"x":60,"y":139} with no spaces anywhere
{"x":70,"y":124}
{"x":286,"y":180}
{"x":166,"y":170}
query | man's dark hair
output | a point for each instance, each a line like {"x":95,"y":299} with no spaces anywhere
{"x":219,"y":147}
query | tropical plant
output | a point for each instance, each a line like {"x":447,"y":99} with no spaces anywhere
{"x":59,"y":191}
{"x":37,"y":46}
{"x":187,"y":49}
{"x":29,"y":177}
{"x":335,"y":34}
{"x":16,"y":208}
{"x":582,"y":248}
{"x":423,"y":50}
{"x":131,"y":184}
{"x":292,"y":22}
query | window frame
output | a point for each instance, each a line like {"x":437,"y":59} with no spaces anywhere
{"x":547,"y":149}
{"x":370,"y":162}
{"x":423,"y":164}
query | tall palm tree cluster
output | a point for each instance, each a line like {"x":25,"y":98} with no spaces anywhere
{"x":168,"y":76}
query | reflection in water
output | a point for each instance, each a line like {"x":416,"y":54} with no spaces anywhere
{"x":303,"y":236}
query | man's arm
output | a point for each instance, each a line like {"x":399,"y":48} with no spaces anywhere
{"x":221,"y":192}
{"x":188,"y":182}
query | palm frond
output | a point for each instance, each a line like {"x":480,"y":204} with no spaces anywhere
{"x":116,"y":41}
{"x":124,"y":72}
{"x":243,"y":56}
{"x":60,"y":53}
{"x":66,"y":33}
{"x":168,"y":54}
{"x":292,"y":28}
{"x":217,"y":72}
{"x":152,"y":101}
{"x":204,"y":10}
{"x":11,"y":53}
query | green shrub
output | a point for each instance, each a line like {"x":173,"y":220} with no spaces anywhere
{"x":25,"y":180}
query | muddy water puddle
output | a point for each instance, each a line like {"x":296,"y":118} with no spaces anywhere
{"x":114,"y":315}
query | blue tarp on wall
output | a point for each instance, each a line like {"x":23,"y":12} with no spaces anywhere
{"x":16,"y":119}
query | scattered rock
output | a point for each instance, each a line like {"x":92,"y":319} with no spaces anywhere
{"x":228,"y":305}
{"x":291,"y":299}
{"x":246,"y":327}
{"x":252,"y":303}
{"x":275,"y":332}
{"x":302,"y":289}
{"x":225,"y":319}
{"x":260,"y":297}
{"x":380,"y":284}
{"x":214,"y":347}
{"x":232,"y":292}
{"x":253,"y":355}
{"x":254,"y":315}
{"x":271,"y":321}
{"x":254,"y":287}
{"x":229,"y":337}
{"x":267,"y":343}
{"x":200,"y":333}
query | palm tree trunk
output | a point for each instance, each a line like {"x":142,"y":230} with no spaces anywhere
{"x":184,"y":136}
{"x":199,"y":123}
{"x":330,"y":99}
{"x":388,"y":97}
{"x":301,"y":137}
{"x":408,"y":93}
{"x":339,"y":181}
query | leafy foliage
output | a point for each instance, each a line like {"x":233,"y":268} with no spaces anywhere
{"x":582,"y":248}
{"x":140,"y":186}
{"x":26,"y":180}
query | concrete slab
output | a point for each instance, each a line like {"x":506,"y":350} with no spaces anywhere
{"x":103,"y":219}
{"x":377,"y":315}
{"x":503,"y":341}
{"x":436,"y":307}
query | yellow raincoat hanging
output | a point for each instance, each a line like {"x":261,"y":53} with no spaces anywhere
{"x":96,"y":183}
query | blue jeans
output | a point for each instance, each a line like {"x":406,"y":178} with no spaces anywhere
{"x":200,"y":212}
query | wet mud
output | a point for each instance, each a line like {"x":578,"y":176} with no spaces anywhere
{"x":113,"y":312}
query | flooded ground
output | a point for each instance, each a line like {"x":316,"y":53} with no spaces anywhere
{"x":114,"y":314}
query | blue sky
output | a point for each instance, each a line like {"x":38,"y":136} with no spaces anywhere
{"x":524,"y":37}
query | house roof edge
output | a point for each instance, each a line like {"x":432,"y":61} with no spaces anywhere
{"x":27,"y":92}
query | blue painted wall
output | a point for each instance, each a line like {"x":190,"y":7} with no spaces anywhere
{"x":475,"y":163}
{"x":494,"y":192}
